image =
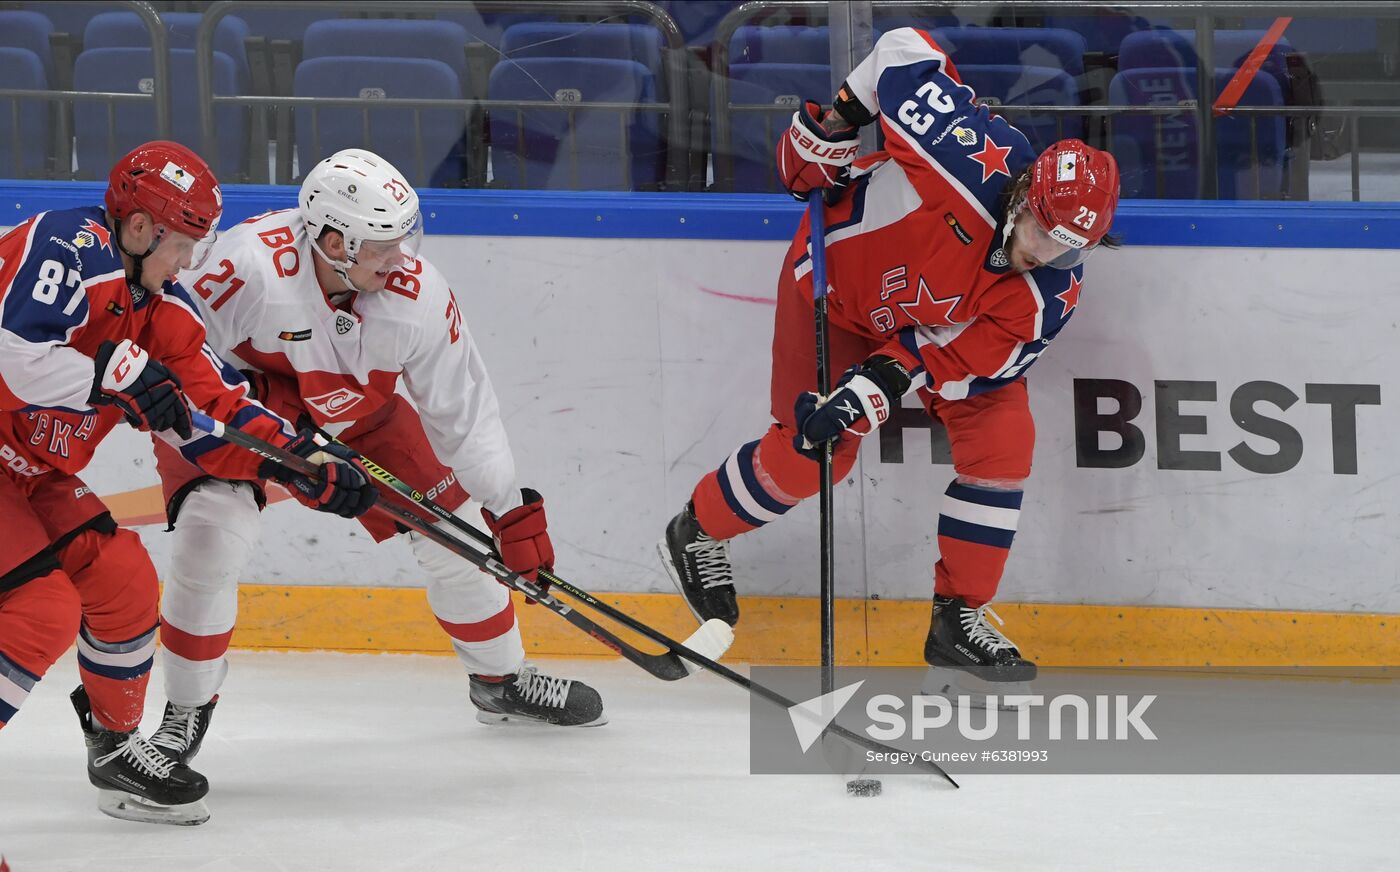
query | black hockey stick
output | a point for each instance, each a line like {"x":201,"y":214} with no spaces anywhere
{"x":510,"y":579}
{"x":816,"y":226}
{"x":668,"y":666}
{"x":408,"y":492}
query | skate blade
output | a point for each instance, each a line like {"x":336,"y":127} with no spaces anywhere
{"x":664,"y":550}
{"x":125,"y":806}
{"x":499,"y":718}
{"x":963,"y":688}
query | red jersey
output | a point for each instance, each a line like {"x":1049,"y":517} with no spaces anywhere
{"x":915,"y":248}
{"x":63,"y":292}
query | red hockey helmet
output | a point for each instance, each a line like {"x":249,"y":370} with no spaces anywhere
{"x":170,"y":183}
{"x":1073,"y":194}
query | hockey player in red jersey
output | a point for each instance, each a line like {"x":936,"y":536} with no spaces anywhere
{"x":954,"y":259}
{"x":94,"y":332}
{"x":338,"y":322}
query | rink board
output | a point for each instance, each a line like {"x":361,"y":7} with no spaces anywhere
{"x":1213,"y":425}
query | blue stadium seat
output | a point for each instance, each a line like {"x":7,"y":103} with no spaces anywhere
{"x":1135,"y":142}
{"x":1352,"y":34}
{"x":127,"y":30}
{"x":441,"y":41}
{"x":1177,"y":48}
{"x":1012,"y":46}
{"x":488,"y":28}
{"x":623,"y":42}
{"x":754,"y":134}
{"x":1104,"y":31}
{"x":544,"y":149}
{"x":70,"y":18}
{"x":29,"y":31}
{"x":272,"y":21}
{"x":130,"y":71}
{"x":391,"y":129}
{"x":24,"y":147}
{"x":781,"y":44}
{"x":1009,"y":84}
{"x":930,"y":23}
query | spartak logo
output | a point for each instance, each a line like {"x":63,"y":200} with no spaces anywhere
{"x":335,"y":403}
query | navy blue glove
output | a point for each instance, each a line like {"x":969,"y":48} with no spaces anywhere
{"x":340,"y":486}
{"x":147,"y":393}
{"x":862,"y":401}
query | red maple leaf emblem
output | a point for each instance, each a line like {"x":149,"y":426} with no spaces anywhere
{"x":1070,"y":296}
{"x":925,"y":308}
{"x":99,"y":231}
{"x":992,"y":157}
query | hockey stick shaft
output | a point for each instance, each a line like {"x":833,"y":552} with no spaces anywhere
{"x":816,"y":226}
{"x":394,"y":483}
{"x":667,"y":667}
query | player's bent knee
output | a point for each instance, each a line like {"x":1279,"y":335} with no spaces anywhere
{"x":215,"y":535}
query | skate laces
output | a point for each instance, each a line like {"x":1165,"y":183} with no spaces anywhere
{"x":141,"y":753}
{"x":178,"y":731}
{"x":712,"y":561}
{"x":541,"y":689}
{"x":981,"y":632}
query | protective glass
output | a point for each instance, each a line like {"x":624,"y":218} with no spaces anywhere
{"x":1035,"y":241}
{"x":377,"y":254}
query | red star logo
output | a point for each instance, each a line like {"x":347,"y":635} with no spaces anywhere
{"x":992,"y":157}
{"x":928,"y":309}
{"x":1070,"y":296}
{"x":100,"y":231}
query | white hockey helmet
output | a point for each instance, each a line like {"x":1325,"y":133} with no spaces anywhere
{"x":362,"y":196}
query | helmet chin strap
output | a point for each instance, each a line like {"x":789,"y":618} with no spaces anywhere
{"x":341,"y":268}
{"x":137,"y":260}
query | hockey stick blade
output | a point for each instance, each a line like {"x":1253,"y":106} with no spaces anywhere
{"x":667,"y":667}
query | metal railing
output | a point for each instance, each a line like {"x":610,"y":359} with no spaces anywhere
{"x":675,"y":109}
{"x":61,"y":126}
{"x":1204,"y":13}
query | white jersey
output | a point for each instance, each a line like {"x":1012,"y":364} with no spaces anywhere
{"x":265,"y":310}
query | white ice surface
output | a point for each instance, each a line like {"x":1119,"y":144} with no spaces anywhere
{"x":362,"y":762}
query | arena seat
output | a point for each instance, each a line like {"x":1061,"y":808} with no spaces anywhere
{"x":753,"y":135}
{"x":1009,"y":84}
{"x":323,"y":131}
{"x":29,"y":31}
{"x":127,"y":30}
{"x":1176,"y":160}
{"x":441,"y":41}
{"x":24,"y":146}
{"x":1104,"y":31}
{"x":1177,"y":48}
{"x":131,"y":71}
{"x":1013,"y":46}
{"x":271,"y":21}
{"x":623,"y":42}
{"x":780,"y":44}
{"x":600,"y":149}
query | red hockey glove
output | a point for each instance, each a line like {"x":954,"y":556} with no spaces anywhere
{"x":811,"y":157}
{"x":340,"y":487}
{"x":862,"y":401}
{"x":147,"y":393}
{"x":522,"y":538}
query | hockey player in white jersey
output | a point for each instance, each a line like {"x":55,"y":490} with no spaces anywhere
{"x":328,"y":310}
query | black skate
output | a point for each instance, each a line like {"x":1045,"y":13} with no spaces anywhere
{"x":531,"y":696}
{"x":136,"y":782}
{"x":182,"y":729}
{"x":970,"y":657}
{"x":700,"y":568}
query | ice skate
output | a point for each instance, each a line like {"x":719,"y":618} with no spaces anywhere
{"x":530,"y":696}
{"x":970,"y":659}
{"x":182,"y":729}
{"x":700,"y":568}
{"x":135,"y":781}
